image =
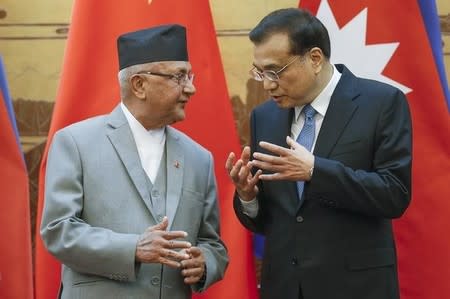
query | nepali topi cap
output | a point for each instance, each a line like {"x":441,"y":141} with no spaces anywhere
{"x":161,"y":43}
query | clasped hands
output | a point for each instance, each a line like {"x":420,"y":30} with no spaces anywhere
{"x":293,"y":164}
{"x":157,"y":245}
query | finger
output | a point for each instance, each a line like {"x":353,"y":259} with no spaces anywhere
{"x":192,"y":262}
{"x":254,"y":180}
{"x":244,"y":173}
{"x":170,"y":263}
{"x":192,"y":272}
{"x":191,"y":279}
{"x":268,"y":166}
{"x":234,"y":173}
{"x":230,"y":161}
{"x":272,"y":177}
{"x":268,"y":158}
{"x":160,"y":226}
{"x":177,"y":244}
{"x":176,"y":234}
{"x":292,"y":143}
{"x":178,"y":256}
{"x":245,"y":155}
{"x":241,"y":179}
{"x":195,"y":251}
{"x":276,"y":149}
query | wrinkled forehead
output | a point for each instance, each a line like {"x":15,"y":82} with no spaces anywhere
{"x":274,"y":49}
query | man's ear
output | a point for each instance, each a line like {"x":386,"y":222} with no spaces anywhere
{"x":317,"y":58}
{"x":137,"y":86}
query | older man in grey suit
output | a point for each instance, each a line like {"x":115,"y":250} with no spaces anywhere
{"x":130,"y":202}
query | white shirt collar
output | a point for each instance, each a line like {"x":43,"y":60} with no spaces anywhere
{"x":321,"y":102}
{"x":138,"y":130}
{"x":149,"y":144}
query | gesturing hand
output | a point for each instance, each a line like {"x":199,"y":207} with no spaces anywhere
{"x":194,"y":267}
{"x":157,"y":245}
{"x":240,"y":174}
{"x":292,"y":163}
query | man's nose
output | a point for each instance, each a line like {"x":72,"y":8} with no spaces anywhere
{"x":269,"y":84}
{"x":189,"y":88}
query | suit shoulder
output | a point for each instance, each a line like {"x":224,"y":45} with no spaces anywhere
{"x":267,"y":106}
{"x":374,"y":86}
{"x":90,"y":125}
{"x":373,"y":91}
{"x":379,"y":94}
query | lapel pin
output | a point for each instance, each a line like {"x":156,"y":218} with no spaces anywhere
{"x":176,"y":164}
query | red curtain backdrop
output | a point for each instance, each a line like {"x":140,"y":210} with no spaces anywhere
{"x":16,"y":278}
{"x":422,"y":233}
{"x":89,"y":87}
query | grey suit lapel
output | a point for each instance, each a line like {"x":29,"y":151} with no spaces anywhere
{"x":175,"y":170}
{"x":339,"y":113}
{"x":122,"y":139}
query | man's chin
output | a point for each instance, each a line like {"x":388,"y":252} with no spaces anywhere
{"x":181,"y":115}
{"x":284,"y":104}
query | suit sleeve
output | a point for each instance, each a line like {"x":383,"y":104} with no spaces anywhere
{"x":253,"y":224}
{"x":384,"y":190}
{"x":72,"y":241}
{"x":208,"y":238}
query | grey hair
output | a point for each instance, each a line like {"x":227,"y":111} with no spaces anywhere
{"x":124,"y":76}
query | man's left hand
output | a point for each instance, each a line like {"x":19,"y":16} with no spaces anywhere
{"x":293,"y":164}
{"x":194,"y":267}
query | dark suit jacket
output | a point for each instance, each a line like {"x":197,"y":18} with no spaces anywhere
{"x":339,"y":243}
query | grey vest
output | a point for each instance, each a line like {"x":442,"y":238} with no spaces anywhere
{"x":158,"y":189}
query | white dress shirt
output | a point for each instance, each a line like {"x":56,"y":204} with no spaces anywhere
{"x":149,"y":143}
{"x":320,"y":104}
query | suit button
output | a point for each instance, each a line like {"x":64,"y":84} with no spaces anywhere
{"x":155,"y":280}
{"x":160,"y":218}
{"x":155,"y":193}
{"x":294,"y":261}
{"x":299,"y":219}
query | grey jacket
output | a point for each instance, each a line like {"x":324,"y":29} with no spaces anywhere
{"x":97,"y":203}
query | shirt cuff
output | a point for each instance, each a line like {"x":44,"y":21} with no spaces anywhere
{"x":250,"y":208}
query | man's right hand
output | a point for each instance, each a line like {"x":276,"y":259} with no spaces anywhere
{"x":240,"y":173}
{"x":157,"y":245}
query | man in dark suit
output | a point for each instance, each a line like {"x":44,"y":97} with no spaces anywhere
{"x":328,"y":168}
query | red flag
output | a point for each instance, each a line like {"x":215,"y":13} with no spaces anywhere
{"x":16,"y":275}
{"x":89,"y":87}
{"x":396,"y":31}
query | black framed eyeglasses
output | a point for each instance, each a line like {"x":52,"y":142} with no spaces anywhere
{"x":180,"y":78}
{"x":270,"y":75}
